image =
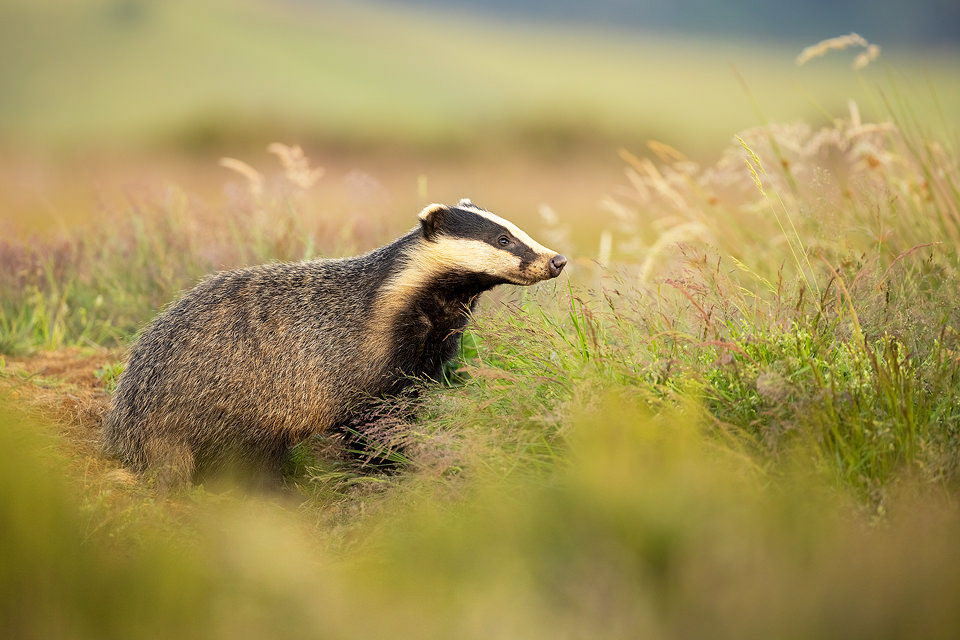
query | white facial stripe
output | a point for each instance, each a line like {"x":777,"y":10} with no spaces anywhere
{"x":517,"y":232}
{"x":452,"y":254}
{"x":464,"y":254}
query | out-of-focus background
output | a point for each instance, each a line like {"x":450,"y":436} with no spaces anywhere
{"x":515,"y":104}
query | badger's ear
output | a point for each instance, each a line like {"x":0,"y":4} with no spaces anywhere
{"x":430,"y":219}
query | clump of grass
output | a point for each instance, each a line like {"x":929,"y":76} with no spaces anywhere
{"x":805,"y":289}
{"x":109,"y":374}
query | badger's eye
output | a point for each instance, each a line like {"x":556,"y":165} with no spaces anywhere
{"x":503,"y":240}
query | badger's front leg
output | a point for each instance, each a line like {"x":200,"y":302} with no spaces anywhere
{"x":375,"y":434}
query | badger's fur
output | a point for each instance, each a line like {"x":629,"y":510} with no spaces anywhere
{"x":253,"y":361}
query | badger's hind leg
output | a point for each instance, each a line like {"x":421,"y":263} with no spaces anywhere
{"x":141,"y":446}
{"x":170,"y":465}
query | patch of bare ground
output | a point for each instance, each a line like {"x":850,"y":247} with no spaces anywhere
{"x":62,"y":388}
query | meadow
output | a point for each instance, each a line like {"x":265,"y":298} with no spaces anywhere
{"x":737,"y":414}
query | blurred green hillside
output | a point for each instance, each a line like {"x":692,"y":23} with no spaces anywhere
{"x":173,"y":73}
{"x":923,"y":23}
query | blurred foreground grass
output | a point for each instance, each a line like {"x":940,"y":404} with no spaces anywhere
{"x":650,"y":526}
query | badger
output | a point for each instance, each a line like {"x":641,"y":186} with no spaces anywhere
{"x":253,"y":361}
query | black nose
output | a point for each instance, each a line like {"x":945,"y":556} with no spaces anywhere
{"x":557,"y":263}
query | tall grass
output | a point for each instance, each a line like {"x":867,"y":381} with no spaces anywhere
{"x":824,"y":305}
{"x":802,"y":288}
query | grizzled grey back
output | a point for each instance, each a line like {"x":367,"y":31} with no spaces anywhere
{"x":250,"y":362}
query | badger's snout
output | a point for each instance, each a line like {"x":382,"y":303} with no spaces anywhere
{"x":557,"y":263}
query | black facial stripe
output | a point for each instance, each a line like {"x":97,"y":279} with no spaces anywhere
{"x":522,"y":251}
{"x":463,"y":223}
{"x":526,"y":259}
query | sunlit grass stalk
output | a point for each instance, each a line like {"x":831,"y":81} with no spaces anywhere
{"x":804,"y":266}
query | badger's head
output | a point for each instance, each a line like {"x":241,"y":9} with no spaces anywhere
{"x":469,"y":239}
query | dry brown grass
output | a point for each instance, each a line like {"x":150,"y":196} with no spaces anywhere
{"x":61,"y":388}
{"x":871,"y":51}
